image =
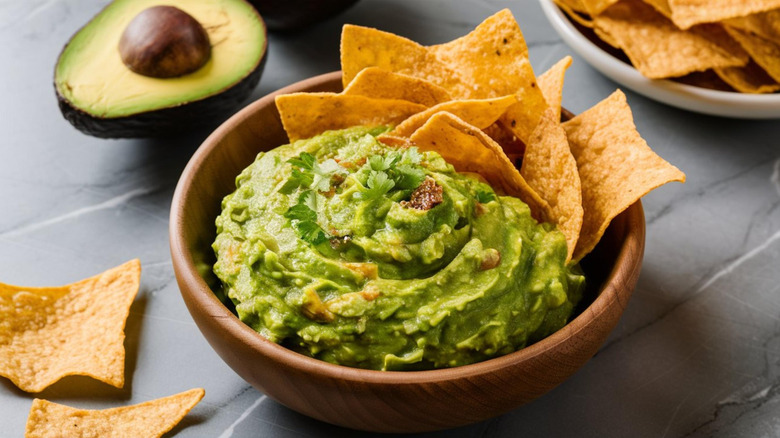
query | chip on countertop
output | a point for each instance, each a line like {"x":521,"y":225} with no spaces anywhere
{"x":47,"y":333}
{"x":150,"y":419}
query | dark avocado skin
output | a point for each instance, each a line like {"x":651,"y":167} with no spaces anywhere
{"x":286,"y":15}
{"x":209,"y":111}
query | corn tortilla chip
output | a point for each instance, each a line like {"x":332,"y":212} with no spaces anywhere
{"x":477,"y":112}
{"x":748,"y":79}
{"x":662,"y":6}
{"x":469,"y":149}
{"x":575,"y":9}
{"x":494,"y":58}
{"x":47,"y":333}
{"x":150,"y":419}
{"x":764,"y":52}
{"x":363,"y":47}
{"x":660,"y":50}
{"x":686,"y":13}
{"x":383,"y":84}
{"x":596,"y":7}
{"x":551,"y":171}
{"x":551,"y":84}
{"x":305,"y":115}
{"x":615,"y":164}
{"x":765,"y":25}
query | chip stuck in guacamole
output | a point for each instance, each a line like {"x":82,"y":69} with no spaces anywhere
{"x":366,"y":255}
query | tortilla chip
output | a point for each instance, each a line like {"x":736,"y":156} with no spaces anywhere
{"x":596,"y":7}
{"x":494,"y":59}
{"x":764,"y":52}
{"x":660,"y":50}
{"x":765,"y":25}
{"x":686,"y":13}
{"x":748,"y":79}
{"x":476,"y":112}
{"x":150,"y":419}
{"x":662,"y":6}
{"x":575,"y":9}
{"x":47,"y":333}
{"x":551,"y":171}
{"x":363,"y":47}
{"x":469,"y":149}
{"x":382,"y":84}
{"x":551,"y":84}
{"x":305,"y":115}
{"x":615,"y":164}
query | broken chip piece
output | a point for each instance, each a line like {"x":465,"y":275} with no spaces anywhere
{"x":150,"y":419}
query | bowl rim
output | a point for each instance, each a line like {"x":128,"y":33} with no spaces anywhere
{"x":613,"y":289}
{"x":704,"y":100}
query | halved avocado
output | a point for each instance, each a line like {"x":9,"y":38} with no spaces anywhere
{"x":101,"y":96}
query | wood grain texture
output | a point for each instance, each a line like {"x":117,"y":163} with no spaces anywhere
{"x":375,"y":400}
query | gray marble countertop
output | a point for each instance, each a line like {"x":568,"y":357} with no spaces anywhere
{"x":697,"y":352}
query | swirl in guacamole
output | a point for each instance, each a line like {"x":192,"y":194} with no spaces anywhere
{"x":371,"y":256}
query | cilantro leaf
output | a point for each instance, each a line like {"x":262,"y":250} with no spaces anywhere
{"x":484,"y":196}
{"x":303,"y":218}
{"x":407,"y":177}
{"x":304,"y":161}
{"x":378,"y":184}
{"x":311,"y":232}
{"x":307,"y":173}
{"x":301,"y":212}
{"x":411,"y":156}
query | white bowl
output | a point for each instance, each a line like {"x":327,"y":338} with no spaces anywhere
{"x":702,"y":100}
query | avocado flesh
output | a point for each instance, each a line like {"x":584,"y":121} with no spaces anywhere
{"x":91,"y":78}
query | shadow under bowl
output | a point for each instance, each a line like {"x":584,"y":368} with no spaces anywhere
{"x":378,"y":401}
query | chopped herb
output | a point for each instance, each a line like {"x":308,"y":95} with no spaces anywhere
{"x":378,"y":185}
{"x":303,"y":218}
{"x":307,"y":173}
{"x":484,"y":196}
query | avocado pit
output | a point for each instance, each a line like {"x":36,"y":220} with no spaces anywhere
{"x":164,"y":42}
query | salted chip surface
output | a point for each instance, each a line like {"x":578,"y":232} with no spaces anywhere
{"x":150,"y":419}
{"x":551,"y":171}
{"x":658,"y":49}
{"x":551,"y":84}
{"x":47,"y":333}
{"x":363,"y":47}
{"x":748,"y":79}
{"x":494,"y":59}
{"x":305,"y":115}
{"x":615,"y":164}
{"x":686,"y":13}
{"x":764,"y":52}
{"x":662,"y":6}
{"x":469,"y":149}
{"x":476,"y":112}
{"x":383,"y":84}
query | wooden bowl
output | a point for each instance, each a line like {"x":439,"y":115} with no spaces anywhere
{"x":378,"y":401}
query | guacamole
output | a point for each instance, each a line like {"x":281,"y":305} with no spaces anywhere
{"x":372,"y":256}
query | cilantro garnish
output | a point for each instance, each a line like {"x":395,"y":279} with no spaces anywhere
{"x":378,"y":185}
{"x":303,"y":218}
{"x":398,"y":168}
{"x":484,"y":196}
{"x":307,"y":173}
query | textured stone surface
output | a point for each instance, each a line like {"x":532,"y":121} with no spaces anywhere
{"x":697,"y":352}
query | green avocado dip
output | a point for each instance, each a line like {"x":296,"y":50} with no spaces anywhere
{"x":366,"y":255}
